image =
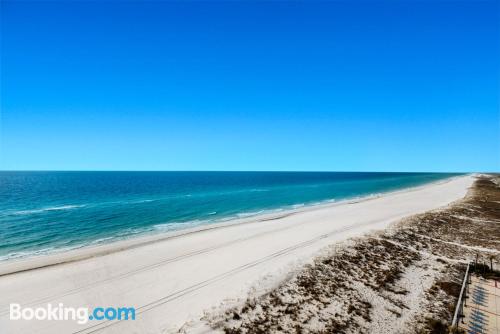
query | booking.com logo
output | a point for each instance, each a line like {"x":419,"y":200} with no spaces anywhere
{"x":81,"y":314}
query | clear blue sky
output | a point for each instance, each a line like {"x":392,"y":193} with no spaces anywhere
{"x":362,"y":86}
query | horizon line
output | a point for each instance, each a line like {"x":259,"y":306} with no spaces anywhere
{"x":240,"y":171}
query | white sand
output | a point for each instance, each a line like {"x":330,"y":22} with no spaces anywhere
{"x":171,"y":281}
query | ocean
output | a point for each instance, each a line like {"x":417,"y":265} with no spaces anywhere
{"x":45,"y":212}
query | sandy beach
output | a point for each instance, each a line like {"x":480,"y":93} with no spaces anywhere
{"x":172,"y":281}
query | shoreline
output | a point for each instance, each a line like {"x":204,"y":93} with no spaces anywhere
{"x":61,"y":256}
{"x":174,"y":282}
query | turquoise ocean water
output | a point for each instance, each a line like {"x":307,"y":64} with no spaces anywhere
{"x":44,"y":212}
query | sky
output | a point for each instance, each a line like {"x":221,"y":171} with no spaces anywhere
{"x":239,"y":85}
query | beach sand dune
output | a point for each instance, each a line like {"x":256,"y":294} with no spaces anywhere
{"x":171,"y":282}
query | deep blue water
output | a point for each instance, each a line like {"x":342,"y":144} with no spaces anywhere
{"x":41,"y":212}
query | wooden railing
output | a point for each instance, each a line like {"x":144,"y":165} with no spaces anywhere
{"x":461,"y":299}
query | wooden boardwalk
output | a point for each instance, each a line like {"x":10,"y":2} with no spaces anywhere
{"x":482,"y":307}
